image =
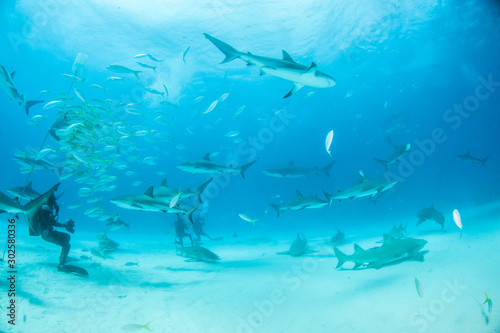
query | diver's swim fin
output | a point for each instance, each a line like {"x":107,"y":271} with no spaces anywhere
{"x":73,"y":269}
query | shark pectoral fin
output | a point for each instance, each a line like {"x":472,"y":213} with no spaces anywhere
{"x":296,"y":87}
{"x":12,"y":74}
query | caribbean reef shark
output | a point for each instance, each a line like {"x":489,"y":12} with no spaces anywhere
{"x":299,"y":203}
{"x":469,"y":158}
{"x":367,"y":187}
{"x":9,"y":87}
{"x":196,"y":252}
{"x":399,"y":151}
{"x":430,"y":214}
{"x":9,"y":205}
{"x":24,"y":192}
{"x":285,"y":68}
{"x":148,"y":202}
{"x":298,"y":247}
{"x":391,"y":252}
{"x":292,"y":171}
{"x":166,"y":193}
{"x":205,"y":165}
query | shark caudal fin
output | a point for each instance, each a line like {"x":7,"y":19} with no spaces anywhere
{"x":483,"y":161}
{"x":32,"y":207}
{"x":28,"y":104}
{"x":243,"y":168}
{"x":276,"y":207}
{"x":341,"y":257}
{"x":385,"y":163}
{"x":202,"y":188}
{"x":326,"y":169}
{"x":329,"y":197}
{"x":189,"y":214}
{"x":230,"y":52}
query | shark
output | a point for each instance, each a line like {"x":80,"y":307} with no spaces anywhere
{"x":298,"y":247}
{"x":29,"y":210}
{"x":196,"y":252}
{"x":7,"y":84}
{"x":164,"y":192}
{"x":399,"y":151}
{"x":367,"y":187}
{"x":146,"y":201}
{"x":27,"y":192}
{"x":391,"y":252}
{"x":469,"y":158}
{"x":338,"y":238}
{"x":285,"y":68}
{"x":430,"y":214}
{"x":205,"y":165}
{"x":299,"y":203}
{"x":292,"y":171}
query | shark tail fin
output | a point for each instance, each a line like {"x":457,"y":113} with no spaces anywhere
{"x":243,"y":168}
{"x":276,"y":207}
{"x":341,"y":257}
{"x":329,"y":197}
{"x":202,"y":188}
{"x":483,"y":161}
{"x":420,"y":221}
{"x":326,"y":169}
{"x":385,"y":163}
{"x":28,"y":104}
{"x":136,"y":73}
{"x":189,"y":214}
{"x":32,"y":207}
{"x":230,"y":52}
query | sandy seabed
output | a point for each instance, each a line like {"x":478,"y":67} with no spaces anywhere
{"x":253,"y":289}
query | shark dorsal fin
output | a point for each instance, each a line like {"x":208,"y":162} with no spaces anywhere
{"x":149,"y":192}
{"x":299,"y":194}
{"x":388,"y":238}
{"x":164,"y":182}
{"x":286,"y":56}
{"x":358,"y":249}
{"x":28,"y":187}
{"x":363,"y":177}
{"x":312,"y":69}
{"x":12,"y":74}
{"x":291,"y":163}
{"x":207,"y":157}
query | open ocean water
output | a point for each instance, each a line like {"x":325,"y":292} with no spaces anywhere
{"x":265,"y":122}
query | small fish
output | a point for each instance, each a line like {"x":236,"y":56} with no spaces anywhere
{"x":181,"y":146}
{"x":115,"y":78}
{"x":223,"y":97}
{"x":138,"y":182}
{"x":240,"y":110}
{"x":232,"y":134}
{"x":153,"y":91}
{"x":123,"y":70}
{"x":146,"y":66}
{"x":198,"y":99}
{"x":418,"y":285}
{"x":80,"y":95}
{"x":184,"y":54}
{"x":174,"y":200}
{"x":246,"y":218}
{"x":98,"y":86}
{"x":489,"y":301}
{"x":132,"y":264}
{"x":328,"y":142}
{"x":142,"y":55}
{"x":73,"y":206}
{"x":134,"y":327}
{"x":458,"y":221}
{"x":153,"y":58}
{"x":212,"y":106}
{"x":84,"y":257}
{"x":72,"y":77}
{"x":52,"y":104}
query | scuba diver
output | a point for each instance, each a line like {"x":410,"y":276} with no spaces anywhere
{"x":46,"y":219}
{"x":180,"y":231}
{"x":198,"y":230}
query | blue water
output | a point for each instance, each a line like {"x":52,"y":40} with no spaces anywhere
{"x":387,"y":58}
{"x":401,"y":69}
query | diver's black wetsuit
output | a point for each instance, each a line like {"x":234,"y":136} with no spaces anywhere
{"x":180,"y":231}
{"x":46,"y":220}
{"x":198,"y":229}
